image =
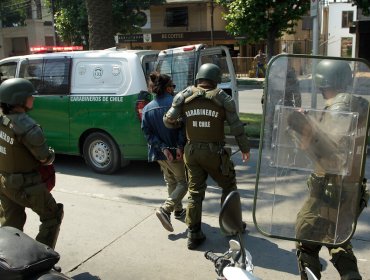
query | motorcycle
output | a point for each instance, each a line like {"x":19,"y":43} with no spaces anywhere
{"x":236,"y":263}
{"x":24,"y":258}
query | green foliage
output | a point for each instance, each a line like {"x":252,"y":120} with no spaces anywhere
{"x":256,"y":18}
{"x":253,"y":122}
{"x":71,"y":19}
{"x":263,"y":19}
{"x":13,"y":13}
{"x":127,"y":17}
{"x":364,"y":5}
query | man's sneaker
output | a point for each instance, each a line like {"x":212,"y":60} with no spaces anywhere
{"x":180,"y":214}
{"x":195,"y":239}
{"x":165,"y":218}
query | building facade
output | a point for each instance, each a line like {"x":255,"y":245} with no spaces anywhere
{"x":361,"y":28}
{"x":340,"y":42}
{"x":179,"y":23}
{"x":37,"y":31}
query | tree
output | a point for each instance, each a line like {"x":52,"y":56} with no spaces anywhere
{"x":100,"y":24}
{"x":13,"y":12}
{"x":364,"y":5}
{"x":259,"y":20}
{"x":71,"y":19}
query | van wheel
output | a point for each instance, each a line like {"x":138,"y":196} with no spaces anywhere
{"x":101,"y":153}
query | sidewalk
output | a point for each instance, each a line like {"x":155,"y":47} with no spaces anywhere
{"x":250,"y":82}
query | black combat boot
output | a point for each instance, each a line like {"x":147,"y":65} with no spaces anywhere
{"x":195,"y":237}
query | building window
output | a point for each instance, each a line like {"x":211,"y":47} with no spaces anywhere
{"x":176,"y":17}
{"x":346,"y":47}
{"x":347,"y":19}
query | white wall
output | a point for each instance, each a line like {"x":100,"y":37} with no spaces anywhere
{"x":335,"y":30}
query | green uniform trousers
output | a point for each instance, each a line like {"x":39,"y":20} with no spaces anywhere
{"x":177,"y":187}
{"x":201,"y":160}
{"x":14,"y":200}
{"x":317,"y":220}
{"x":342,"y":258}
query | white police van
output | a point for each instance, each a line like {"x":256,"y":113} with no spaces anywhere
{"x":89,"y":102}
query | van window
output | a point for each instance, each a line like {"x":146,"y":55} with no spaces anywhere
{"x":148,"y":63}
{"x":7,"y":71}
{"x":221,"y":61}
{"x":49,"y":76}
{"x":180,"y":66}
{"x":56,"y":76}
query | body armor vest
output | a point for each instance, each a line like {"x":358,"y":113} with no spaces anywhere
{"x":14,"y":156}
{"x":204,"y":120}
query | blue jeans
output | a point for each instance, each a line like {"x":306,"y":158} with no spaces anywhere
{"x":260,"y":66}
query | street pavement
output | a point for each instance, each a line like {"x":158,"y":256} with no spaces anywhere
{"x":110,"y":230}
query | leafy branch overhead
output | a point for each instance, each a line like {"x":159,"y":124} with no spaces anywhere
{"x":364,"y":5}
{"x":257,"y":20}
{"x":71,"y":18}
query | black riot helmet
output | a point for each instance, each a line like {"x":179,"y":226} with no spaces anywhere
{"x":16,"y":91}
{"x":333,"y":74}
{"x":209,"y":71}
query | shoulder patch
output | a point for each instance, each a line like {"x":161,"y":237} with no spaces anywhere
{"x":22,"y":123}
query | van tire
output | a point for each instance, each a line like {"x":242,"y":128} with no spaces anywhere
{"x":101,"y":153}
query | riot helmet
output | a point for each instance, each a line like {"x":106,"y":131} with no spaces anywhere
{"x":16,"y":91}
{"x":209,"y":71}
{"x":333,"y":74}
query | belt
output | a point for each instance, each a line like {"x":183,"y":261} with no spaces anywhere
{"x":25,"y":178}
{"x":211,"y":146}
{"x":32,"y":178}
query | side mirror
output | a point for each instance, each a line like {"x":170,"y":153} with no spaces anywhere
{"x":231,"y":215}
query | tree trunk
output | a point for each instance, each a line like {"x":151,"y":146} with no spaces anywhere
{"x":100,"y":24}
{"x":271,"y":39}
{"x":38,"y":9}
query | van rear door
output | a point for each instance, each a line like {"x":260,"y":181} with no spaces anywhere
{"x":182,"y":64}
{"x":220,"y":56}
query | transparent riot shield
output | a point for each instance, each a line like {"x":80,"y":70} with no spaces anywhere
{"x":313,"y":148}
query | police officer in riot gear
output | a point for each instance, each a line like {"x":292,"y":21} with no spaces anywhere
{"x":332,"y":196}
{"x":23,"y":150}
{"x":203,"y":110}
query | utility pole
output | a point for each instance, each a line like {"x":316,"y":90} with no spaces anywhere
{"x":315,"y":26}
{"x":212,"y":24}
{"x":52,"y":10}
{"x":315,"y":47}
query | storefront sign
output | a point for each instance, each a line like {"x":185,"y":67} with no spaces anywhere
{"x":178,"y":36}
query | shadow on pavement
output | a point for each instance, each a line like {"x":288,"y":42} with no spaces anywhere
{"x":85,"y":276}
